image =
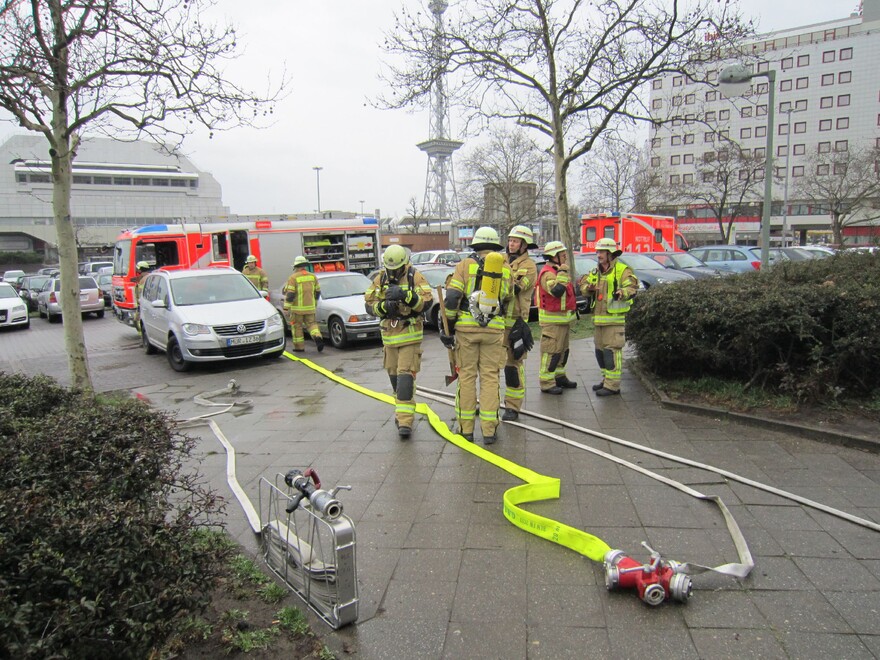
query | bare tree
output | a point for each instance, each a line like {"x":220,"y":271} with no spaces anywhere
{"x":123,"y":68}
{"x":502,"y":179}
{"x":726,"y":181}
{"x":611,"y":171}
{"x":846,"y":184}
{"x":567,"y":69}
{"x":415,"y":216}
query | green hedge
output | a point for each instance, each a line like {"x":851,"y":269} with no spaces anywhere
{"x":17,"y":258}
{"x":100,"y":551}
{"x":810,"y":329}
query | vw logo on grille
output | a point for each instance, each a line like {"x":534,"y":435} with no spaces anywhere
{"x":242,"y":328}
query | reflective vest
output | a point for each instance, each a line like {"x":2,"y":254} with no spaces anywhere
{"x":550,"y":308}
{"x":619,"y":277}
{"x":301,"y":292}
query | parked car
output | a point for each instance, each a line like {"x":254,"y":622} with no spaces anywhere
{"x":49,"y":270}
{"x":105,"y":283}
{"x":93,"y":267}
{"x":90,"y":298}
{"x":819,"y":251}
{"x":435,"y":257}
{"x":650,"y":273}
{"x":206,"y":315}
{"x":13,"y":310}
{"x":341,"y":313}
{"x":13,"y":277}
{"x":729,"y":258}
{"x":29,"y":288}
{"x":684,"y":262}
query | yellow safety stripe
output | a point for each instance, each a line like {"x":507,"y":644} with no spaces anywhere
{"x":555,"y":317}
{"x":537,"y":487}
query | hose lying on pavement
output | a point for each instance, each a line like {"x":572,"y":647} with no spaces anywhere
{"x":672,"y":457}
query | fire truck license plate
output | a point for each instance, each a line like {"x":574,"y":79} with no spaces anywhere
{"x":238,"y":341}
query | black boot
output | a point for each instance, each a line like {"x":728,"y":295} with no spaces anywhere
{"x":598,"y":386}
{"x":565,"y":383}
{"x":510,"y":415}
{"x":553,"y":390}
{"x":319,"y":342}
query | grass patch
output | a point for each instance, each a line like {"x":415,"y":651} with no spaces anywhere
{"x":728,"y":394}
{"x":272,"y":593}
{"x":293,"y":621}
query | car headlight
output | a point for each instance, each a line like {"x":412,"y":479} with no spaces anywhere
{"x":17,"y":308}
{"x":358,"y":318}
{"x":273,"y":320}
{"x":193,"y":329}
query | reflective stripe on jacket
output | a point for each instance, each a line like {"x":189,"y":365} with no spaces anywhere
{"x":406,"y":330}
{"x":304,"y":285}
{"x":257,"y":276}
{"x":459,"y":289}
{"x":525,"y":277}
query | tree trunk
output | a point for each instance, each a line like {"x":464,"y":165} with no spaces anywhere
{"x":559,"y":172}
{"x":837,"y":229}
{"x":74,"y":341}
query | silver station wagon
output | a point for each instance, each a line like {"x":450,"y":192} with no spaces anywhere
{"x":207,"y":315}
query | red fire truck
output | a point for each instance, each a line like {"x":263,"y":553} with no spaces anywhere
{"x":634,"y":232}
{"x":351,"y":245}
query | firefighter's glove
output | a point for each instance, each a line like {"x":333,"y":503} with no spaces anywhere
{"x":388,"y":309}
{"x":411,"y":299}
{"x":617,"y":295}
{"x":448,"y":340}
{"x":394,"y":293}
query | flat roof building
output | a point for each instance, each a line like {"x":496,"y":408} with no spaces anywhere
{"x":116,"y":185}
{"x":827,"y":102}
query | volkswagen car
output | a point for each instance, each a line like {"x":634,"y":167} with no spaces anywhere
{"x":205,"y":315}
{"x":341,"y":313}
{"x":13,"y":310}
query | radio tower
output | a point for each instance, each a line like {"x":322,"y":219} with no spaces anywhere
{"x":438,"y":204}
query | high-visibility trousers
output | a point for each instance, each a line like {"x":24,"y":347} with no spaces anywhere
{"x":514,"y":379}
{"x":554,"y":352}
{"x":480,"y":354}
{"x":403,"y":364}
{"x":299,"y":323}
{"x":609,"y":341}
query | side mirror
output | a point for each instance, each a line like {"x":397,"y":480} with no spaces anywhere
{"x":160,"y":303}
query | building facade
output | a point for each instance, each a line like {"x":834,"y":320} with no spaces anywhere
{"x":827,"y":102}
{"x":116,"y":185}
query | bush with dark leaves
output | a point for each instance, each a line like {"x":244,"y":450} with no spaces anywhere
{"x":806,"y":328}
{"x":100,"y":544}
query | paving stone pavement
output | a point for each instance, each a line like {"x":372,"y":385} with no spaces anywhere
{"x":442,"y":574}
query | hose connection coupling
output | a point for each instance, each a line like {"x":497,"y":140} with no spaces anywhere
{"x":308,"y":487}
{"x":657,"y":581}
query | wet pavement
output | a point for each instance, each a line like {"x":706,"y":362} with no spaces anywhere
{"x":442,"y":573}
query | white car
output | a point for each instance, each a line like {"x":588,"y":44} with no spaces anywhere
{"x":13,"y":310}
{"x":207,"y":315}
{"x":435,"y":257}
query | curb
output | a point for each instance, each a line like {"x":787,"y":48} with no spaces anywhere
{"x":811,"y":432}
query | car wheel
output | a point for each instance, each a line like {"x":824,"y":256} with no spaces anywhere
{"x":149,"y":349}
{"x":100,"y":314}
{"x":175,"y":356}
{"x":337,"y":333}
{"x":435,"y":316}
{"x":52,"y":317}
{"x":40,"y":312}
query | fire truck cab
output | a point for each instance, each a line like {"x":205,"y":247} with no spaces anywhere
{"x":633,"y":232}
{"x":345,"y":245}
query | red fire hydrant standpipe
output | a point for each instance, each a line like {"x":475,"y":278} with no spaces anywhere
{"x":657,"y":581}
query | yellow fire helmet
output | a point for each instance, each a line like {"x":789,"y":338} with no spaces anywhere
{"x":395,"y":259}
{"x":608,"y":245}
{"x":251,"y":259}
{"x":300,"y":261}
{"x":525,"y":235}
{"x":553,"y":248}
{"x":486,"y":238}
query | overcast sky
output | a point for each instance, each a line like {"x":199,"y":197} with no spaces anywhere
{"x":332,"y":55}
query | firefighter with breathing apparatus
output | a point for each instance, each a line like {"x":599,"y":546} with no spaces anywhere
{"x":301,"y":294}
{"x":557,"y":312}
{"x":255,"y":274}
{"x":517,"y":336}
{"x":611,"y":287}
{"x":478,"y":294}
{"x":399,"y":296}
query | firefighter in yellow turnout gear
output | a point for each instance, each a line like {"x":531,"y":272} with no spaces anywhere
{"x":518,"y":336}
{"x":139,"y":281}
{"x":255,"y":274}
{"x":477,"y":296}
{"x":398,"y":296}
{"x":611,"y":287}
{"x":557,"y":312}
{"x":301,"y":293}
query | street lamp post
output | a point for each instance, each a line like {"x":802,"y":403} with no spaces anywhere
{"x":734,"y":81}
{"x":318,"y":181}
{"x":362,"y":207}
{"x":787,"y":175}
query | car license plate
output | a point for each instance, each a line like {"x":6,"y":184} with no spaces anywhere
{"x":238,"y":341}
{"x":84,"y":297}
